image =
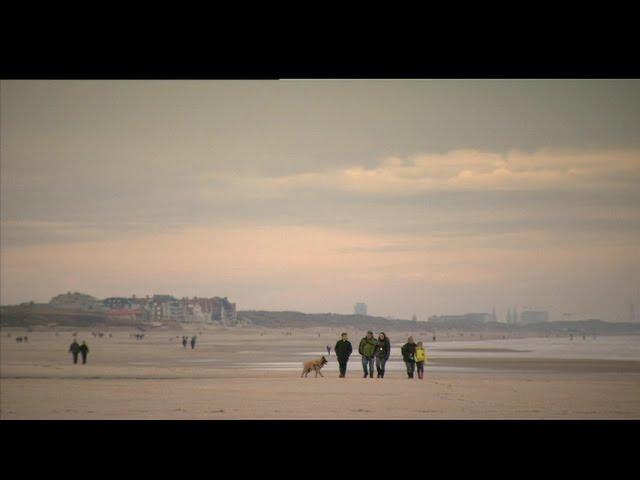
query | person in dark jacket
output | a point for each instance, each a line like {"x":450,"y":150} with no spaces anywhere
{"x":193,"y":342}
{"x":84,"y":350}
{"x":343,"y":351}
{"x":75,"y":350}
{"x":382,"y":351}
{"x":184,"y":342}
{"x":367,"y":350}
{"x":409,"y":356}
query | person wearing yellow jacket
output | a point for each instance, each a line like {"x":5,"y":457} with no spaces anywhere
{"x":421,"y":357}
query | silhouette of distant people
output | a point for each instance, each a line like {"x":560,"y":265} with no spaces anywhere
{"x":84,"y":350}
{"x":184,"y":342}
{"x":75,"y":350}
{"x":328,"y":350}
{"x":193,"y":342}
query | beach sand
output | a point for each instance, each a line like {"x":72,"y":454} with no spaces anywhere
{"x":255,"y":374}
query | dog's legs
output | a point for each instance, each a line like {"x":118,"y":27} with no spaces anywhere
{"x":320,"y":373}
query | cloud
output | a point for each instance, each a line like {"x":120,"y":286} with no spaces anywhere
{"x":456,"y":171}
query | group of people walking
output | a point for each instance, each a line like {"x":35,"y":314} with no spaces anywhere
{"x":376,"y":351}
{"x":185,"y":340}
{"x":76,"y":349}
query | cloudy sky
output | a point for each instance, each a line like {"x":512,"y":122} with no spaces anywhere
{"x":416,"y":197}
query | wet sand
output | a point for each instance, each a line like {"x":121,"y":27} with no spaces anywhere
{"x":255,"y":373}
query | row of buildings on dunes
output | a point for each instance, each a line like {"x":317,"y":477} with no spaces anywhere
{"x":155,"y":308}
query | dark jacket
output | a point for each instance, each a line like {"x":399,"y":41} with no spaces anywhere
{"x":383,"y":349}
{"x":343,"y":349}
{"x":84,"y":349}
{"x":409,"y":352}
{"x":74,"y":348}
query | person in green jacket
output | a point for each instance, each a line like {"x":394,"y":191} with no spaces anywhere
{"x":367,"y":349}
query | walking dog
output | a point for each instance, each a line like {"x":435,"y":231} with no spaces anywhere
{"x":315,"y":365}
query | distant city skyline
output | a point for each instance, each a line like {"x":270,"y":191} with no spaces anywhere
{"x":512,"y":315}
{"x":416,"y":197}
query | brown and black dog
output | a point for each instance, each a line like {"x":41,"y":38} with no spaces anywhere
{"x":313,"y":365}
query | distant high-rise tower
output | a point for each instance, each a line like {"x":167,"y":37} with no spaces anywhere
{"x":493,"y":314}
{"x":360,"y":309}
{"x":508,"y":316}
{"x":515,"y":314}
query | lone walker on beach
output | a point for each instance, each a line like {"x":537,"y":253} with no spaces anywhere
{"x":75,"y":350}
{"x":184,"y":342}
{"x":409,"y":356}
{"x":343,"y":350}
{"x":193,"y":342}
{"x":84,"y":350}
{"x":328,"y":350}
{"x":367,"y":350}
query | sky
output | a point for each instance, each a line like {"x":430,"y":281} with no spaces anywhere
{"x":416,"y":197}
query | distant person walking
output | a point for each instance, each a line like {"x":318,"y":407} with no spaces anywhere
{"x":184,"y":342}
{"x":84,"y":351}
{"x":343,"y":351}
{"x":421,"y":357}
{"x":409,"y":356}
{"x":328,"y":350}
{"x":193,"y":342}
{"x":367,"y":349}
{"x":75,"y":350}
{"x":382,"y":351}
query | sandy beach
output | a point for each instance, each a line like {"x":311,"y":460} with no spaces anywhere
{"x":252,"y":373}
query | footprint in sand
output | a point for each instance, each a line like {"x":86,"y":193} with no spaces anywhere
{"x":361,"y":410}
{"x":216,"y":411}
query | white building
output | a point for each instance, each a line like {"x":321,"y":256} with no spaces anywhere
{"x":360,"y":309}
